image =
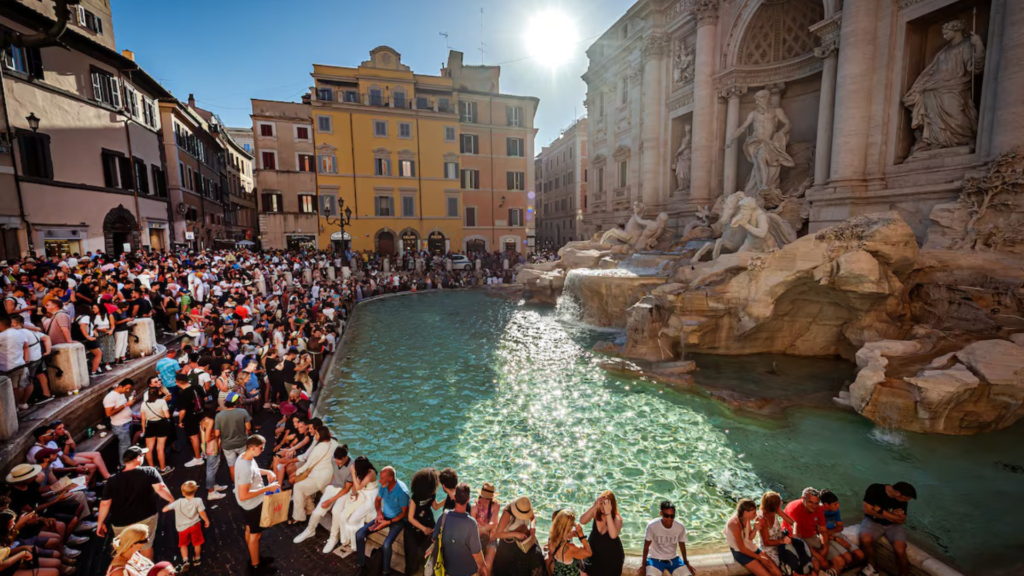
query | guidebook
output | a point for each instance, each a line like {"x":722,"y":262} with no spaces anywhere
{"x":76,"y":484}
{"x":139,"y":565}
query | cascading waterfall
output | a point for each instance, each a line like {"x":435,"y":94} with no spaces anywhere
{"x":570,"y":306}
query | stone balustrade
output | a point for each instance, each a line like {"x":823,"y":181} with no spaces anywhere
{"x":8,"y":409}
{"x":68,"y":370}
{"x":142,"y":338}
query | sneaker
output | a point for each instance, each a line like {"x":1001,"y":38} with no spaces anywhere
{"x":68,"y":561}
{"x":194,"y":462}
{"x":71,"y":552}
{"x":77,"y":540}
{"x":85,"y":527}
{"x":332,"y":543}
{"x":22,"y":406}
{"x":101,"y":426}
{"x":829,"y":572}
{"x":267,"y":406}
{"x":303,"y":536}
{"x":197,"y":561}
{"x":68,"y":570}
{"x":167,"y":471}
{"x":220,"y":488}
{"x":868,"y":570}
{"x":216,"y":495}
{"x":44,"y":400}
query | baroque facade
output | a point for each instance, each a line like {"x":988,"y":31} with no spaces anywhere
{"x":821,"y":109}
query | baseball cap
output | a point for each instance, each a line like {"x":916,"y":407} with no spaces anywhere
{"x":231,"y":398}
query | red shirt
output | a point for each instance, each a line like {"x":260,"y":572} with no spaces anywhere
{"x":808,"y":522}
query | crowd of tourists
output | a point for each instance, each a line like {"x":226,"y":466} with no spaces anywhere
{"x":257,"y":330}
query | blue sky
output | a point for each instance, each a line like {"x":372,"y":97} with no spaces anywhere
{"x":228,"y":51}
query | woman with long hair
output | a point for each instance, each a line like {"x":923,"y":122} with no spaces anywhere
{"x":486,"y":512}
{"x":609,"y":555}
{"x":419,"y":535}
{"x":359,"y":509}
{"x":566,"y":558}
{"x":103,"y":323}
{"x":156,"y":423}
{"x":518,"y":553}
{"x":86,"y":333}
{"x":23,"y":560}
{"x":131,"y":541}
{"x":320,"y":467}
{"x":740,"y":535}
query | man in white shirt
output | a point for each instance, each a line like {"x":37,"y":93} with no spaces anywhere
{"x":39,"y":345}
{"x":117,"y":405}
{"x":14,"y":358}
{"x":660,"y":541}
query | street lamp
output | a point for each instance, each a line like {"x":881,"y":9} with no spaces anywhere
{"x":33,"y":122}
{"x":344,"y":217}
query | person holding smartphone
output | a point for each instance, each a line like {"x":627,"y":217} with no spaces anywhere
{"x":117,"y":406}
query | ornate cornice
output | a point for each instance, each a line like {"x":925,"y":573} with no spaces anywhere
{"x":622,"y":152}
{"x":762,"y":76}
{"x":829,"y":32}
{"x":904,"y":4}
{"x":730,"y":89}
{"x":685,"y":100}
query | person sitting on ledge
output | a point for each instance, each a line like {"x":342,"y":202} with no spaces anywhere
{"x":847,"y":553}
{"x":392,"y":506}
{"x":660,"y":541}
{"x":885,"y":513}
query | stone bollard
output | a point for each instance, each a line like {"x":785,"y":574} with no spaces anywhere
{"x":261,"y":283}
{"x":8,"y":409}
{"x":307,"y":275}
{"x":142,"y":338}
{"x":346,"y":273}
{"x":288,"y":279}
{"x":331,"y":273}
{"x":68,"y":368}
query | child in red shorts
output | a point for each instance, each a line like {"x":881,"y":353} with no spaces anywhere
{"x":188,"y":511}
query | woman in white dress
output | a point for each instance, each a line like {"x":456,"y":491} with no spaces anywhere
{"x":360,"y":508}
{"x":321,"y":470}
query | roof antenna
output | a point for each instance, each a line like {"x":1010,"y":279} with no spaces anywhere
{"x":447,"y":46}
{"x":482,"y":45}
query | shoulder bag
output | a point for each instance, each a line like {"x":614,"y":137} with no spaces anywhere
{"x":304,"y":475}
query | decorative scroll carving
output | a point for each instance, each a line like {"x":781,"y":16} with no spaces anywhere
{"x":828,"y":33}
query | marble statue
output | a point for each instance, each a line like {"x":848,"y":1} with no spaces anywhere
{"x":631,"y":232}
{"x":683,"y":63}
{"x":746,"y":227}
{"x":652,"y":233}
{"x":942,"y":111}
{"x":765,"y":145}
{"x":682,"y":168}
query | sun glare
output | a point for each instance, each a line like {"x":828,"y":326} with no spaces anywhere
{"x":551,"y":38}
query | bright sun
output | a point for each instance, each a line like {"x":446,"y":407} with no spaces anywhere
{"x":551,"y":38}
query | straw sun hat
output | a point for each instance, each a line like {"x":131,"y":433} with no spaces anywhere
{"x":23,"y":473}
{"x":522,"y":509}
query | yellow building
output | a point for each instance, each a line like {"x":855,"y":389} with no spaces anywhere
{"x":387,"y":146}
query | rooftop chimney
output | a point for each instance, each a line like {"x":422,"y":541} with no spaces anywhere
{"x":306,"y":98}
{"x":191,"y":100}
{"x":128,"y":54}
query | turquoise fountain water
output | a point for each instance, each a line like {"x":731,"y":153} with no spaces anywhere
{"x":510,"y":394}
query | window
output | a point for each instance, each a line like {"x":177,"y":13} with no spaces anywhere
{"x":624,"y":94}
{"x":468,"y":111}
{"x":382,"y":166}
{"x":380,"y":128}
{"x":451,"y":170}
{"x":453,"y":206}
{"x":516,"y":180}
{"x":622,"y":174}
{"x":191,"y":179}
{"x":267,"y":130}
{"x":351,"y":96}
{"x":104,"y":88}
{"x":181,"y":174}
{"x":384,"y":206}
{"x":111,"y":168}
{"x":159,"y":182}
{"x":515,"y":146}
{"x":149,"y":112}
{"x":471,"y":179}
{"x":305,"y":162}
{"x":376,"y":97}
{"x":399,"y":99}
{"x":328,"y":164}
{"x":25,"y":60}
{"x":323,"y":124}
{"x":90,"y":21}
{"x":600,"y":179}
{"x":600,"y":104}
{"x":570,"y":152}
{"x":408,"y":207}
{"x":470,"y":144}
{"x":515,"y":216}
{"x":35,"y":154}
{"x":449,"y":133}
{"x":307,"y":203}
{"x":514,"y":115}
{"x":271,"y":202}
{"x":302,"y":132}
{"x":422,"y":104}
{"x":131,"y":101}
{"x":269,"y":159}
{"x":324,"y":94}
{"x":470,"y":216}
{"x":141,"y":176}
{"x":406,"y":168}
{"x":404,"y":130}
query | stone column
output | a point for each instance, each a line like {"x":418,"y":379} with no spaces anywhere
{"x":854,"y":90}
{"x":653,"y":52}
{"x":1008,"y":116}
{"x":69,"y":362}
{"x":8,"y":409}
{"x":828,"y":30}
{"x":704,"y":102}
{"x":732,"y":122}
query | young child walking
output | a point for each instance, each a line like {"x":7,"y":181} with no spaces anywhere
{"x":188,"y":511}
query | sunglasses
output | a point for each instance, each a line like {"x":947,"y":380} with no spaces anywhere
{"x":669,"y":516}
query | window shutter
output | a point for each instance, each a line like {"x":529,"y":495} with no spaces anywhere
{"x":81,"y":15}
{"x":124,"y":164}
{"x":109,"y":176}
{"x":508,"y":115}
{"x":115,"y":92}
{"x":34,"y":62}
{"x":97,"y":86}
{"x":508,"y":146}
{"x":510,"y":181}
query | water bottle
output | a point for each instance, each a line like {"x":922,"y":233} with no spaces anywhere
{"x":88,"y":432}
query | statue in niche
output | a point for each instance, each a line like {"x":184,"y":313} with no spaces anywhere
{"x":682,"y":169}
{"x":942,"y":112}
{"x":765,"y":145}
{"x":683,"y":63}
{"x":746,"y":227}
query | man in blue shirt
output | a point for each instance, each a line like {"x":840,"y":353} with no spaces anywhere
{"x":392,"y":505}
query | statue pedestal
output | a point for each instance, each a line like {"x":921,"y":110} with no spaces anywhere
{"x":8,"y":409}
{"x":68,"y":368}
{"x":262,"y":285}
{"x":142,"y":338}
{"x":346,"y":273}
{"x":307,"y":276}
{"x":288,"y":279}
{"x":940,"y":153}
{"x":331,"y":273}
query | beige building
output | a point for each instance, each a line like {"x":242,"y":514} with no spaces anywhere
{"x":285,"y":174}
{"x":90,"y":176}
{"x":562,"y":192}
{"x":238,"y":195}
{"x":672,"y":82}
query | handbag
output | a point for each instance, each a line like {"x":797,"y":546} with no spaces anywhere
{"x":438,"y":554}
{"x":304,"y":475}
{"x":275,"y":508}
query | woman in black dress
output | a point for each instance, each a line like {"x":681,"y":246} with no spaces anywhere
{"x":608,"y":554}
{"x":419,"y":533}
{"x":518,"y":553}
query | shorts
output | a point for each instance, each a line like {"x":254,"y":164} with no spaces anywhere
{"x":19,"y":377}
{"x":150,"y":523}
{"x":232,"y":455}
{"x":814,"y":542}
{"x":91,"y":344}
{"x":741,"y":558}
{"x":838,"y":549}
{"x":191,"y":426}
{"x":33,"y":368}
{"x":893,"y":532}
{"x":656,"y":566}
{"x":159,"y":429}
{"x":253,"y":517}
{"x":191,"y":535}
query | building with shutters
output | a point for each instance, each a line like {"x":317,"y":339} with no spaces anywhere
{"x":90,"y":175}
{"x":562,"y":191}
{"x":438,"y":163}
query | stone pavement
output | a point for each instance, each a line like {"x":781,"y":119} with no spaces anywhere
{"x":224,"y":552}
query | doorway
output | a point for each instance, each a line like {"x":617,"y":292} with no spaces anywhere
{"x":120,"y":231}
{"x":435,"y":243}
{"x":386,"y":243}
{"x":476,"y":246}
